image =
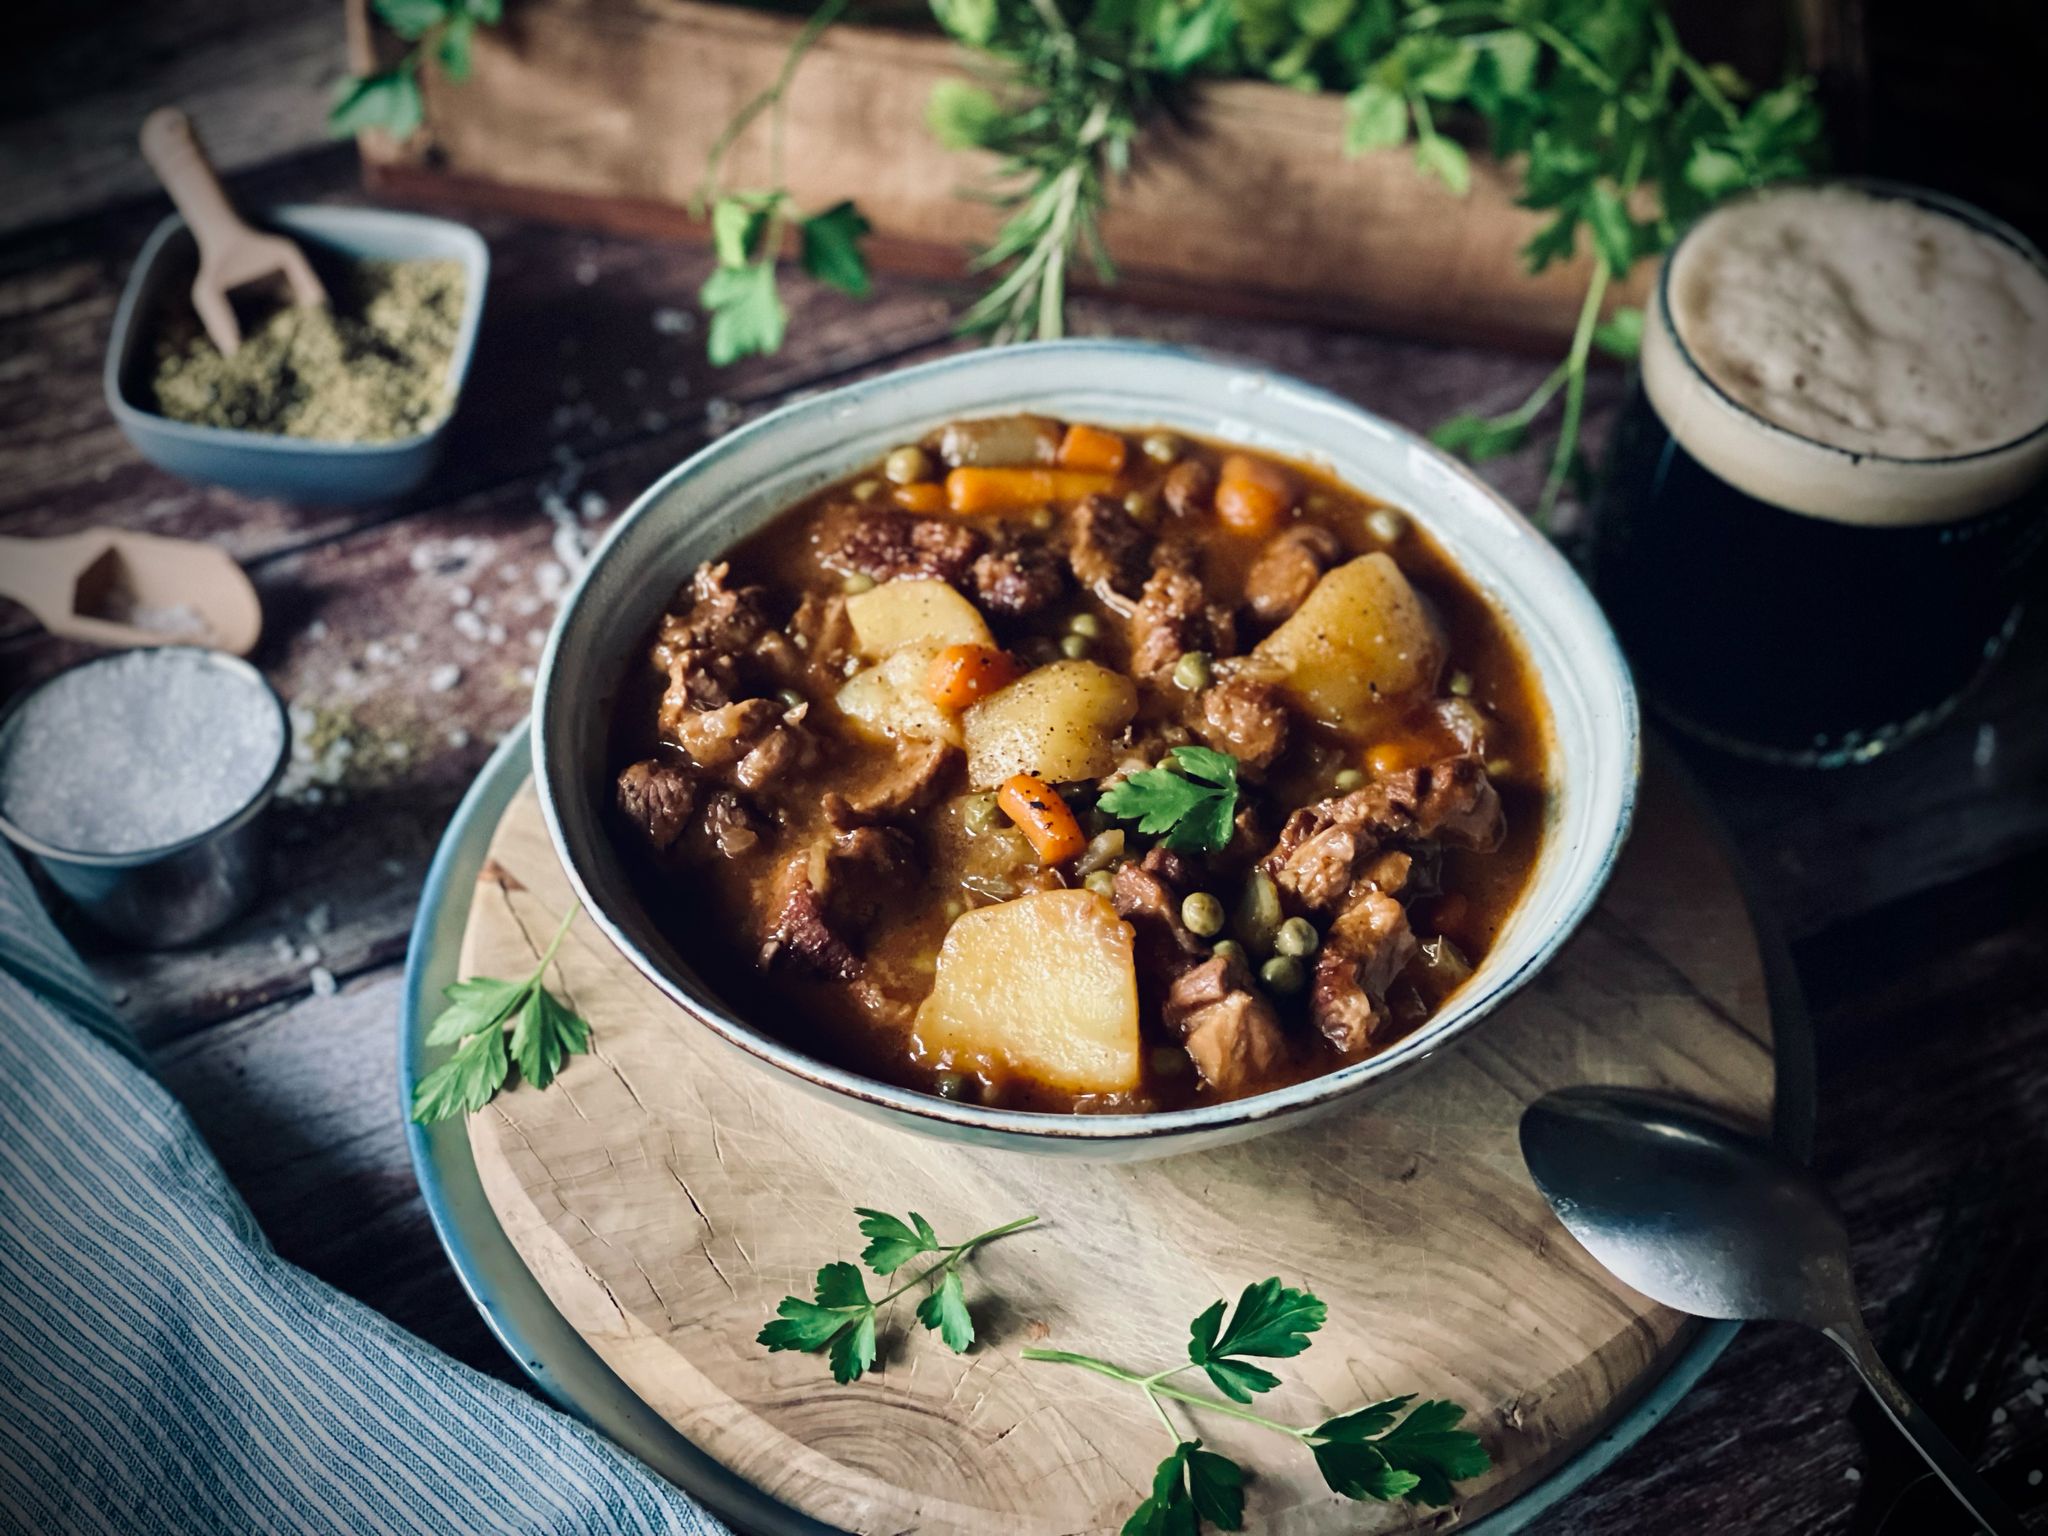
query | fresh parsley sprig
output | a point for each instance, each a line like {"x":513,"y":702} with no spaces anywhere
{"x":495,"y":1025}
{"x":440,"y":31}
{"x":748,"y":226}
{"x":840,"y":1320}
{"x":1195,"y":807}
{"x":1396,"y":1449}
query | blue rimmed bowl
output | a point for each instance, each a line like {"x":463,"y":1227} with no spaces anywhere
{"x":716,"y":498}
{"x":269,"y":463}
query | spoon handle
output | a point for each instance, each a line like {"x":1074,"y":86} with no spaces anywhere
{"x":1949,"y":1464}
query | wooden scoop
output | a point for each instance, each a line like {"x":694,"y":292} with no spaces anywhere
{"x":115,"y":588}
{"x":230,"y":252}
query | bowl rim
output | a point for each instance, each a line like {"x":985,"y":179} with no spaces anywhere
{"x":926,"y":1111}
{"x":305,"y":219}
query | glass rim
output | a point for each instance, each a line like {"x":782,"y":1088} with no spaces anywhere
{"x":1881,"y":187}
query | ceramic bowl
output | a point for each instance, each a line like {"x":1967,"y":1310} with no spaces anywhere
{"x":706,"y":504}
{"x":266,"y":463}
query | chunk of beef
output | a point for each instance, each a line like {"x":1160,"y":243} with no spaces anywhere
{"x":1017,"y":582}
{"x":1231,"y":1033}
{"x":821,"y":899}
{"x":732,"y":828}
{"x":720,"y":618}
{"x":823,"y":634}
{"x":1323,"y":847}
{"x":1147,"y":894}
{"x":1173,"y":617}
{"x":914,"y":782}
{"x":1365,"y":949}
{"x":697,"y":679}
{"x":887,"y":545}
{"x":658,"y":800}
{"x":1288,"y":569}
{"x":1106,"y":547}
{"x":718,"y":738}
{"x":1189,"y":488}
{"x":1246,"y":718}
{"x":1456,"y":801}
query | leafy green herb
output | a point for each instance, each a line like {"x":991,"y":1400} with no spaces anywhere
{"x":1194,"y":807}
{"x":480,"y":1013}
{"x":1373,"y":1453}
{"x":748,"y":226}
{"x":841,"y":1318}
{"x":390,"y":100}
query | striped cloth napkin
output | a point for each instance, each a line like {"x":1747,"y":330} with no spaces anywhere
{"x":161,"y":1370}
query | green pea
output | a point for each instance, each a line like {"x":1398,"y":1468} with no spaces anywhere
{"x":1461,"y":684}
{"x":1191,"y":673}
{"x":1258,"y":911}
{"x":1297,"y":937}
{"x":858,"y":581}
{"x":906,"y":466}
{"x":866,"y":490}
{"x":790,"y":697}
{"x":980,"y":813}
{"x":1203,"y":914}
{"x":1386,"y":525}
{"x":1075,"y":647}
{"x":1100,"y":881}
{"x":1161,"y":447}
{"x":1498,"y":767}
{"x":1168,"y":1061}
{"x":950,"y":1085}
{"x":1349,"y":780}
{"x":1143,"y":506}
{"x":1283,"y":974}
{"x":1085,"y":624}
{"x":1229,"y":951}
{"x":1042,"y":518}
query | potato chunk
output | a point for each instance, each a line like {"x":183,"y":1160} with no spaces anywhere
{"x":1363,"y":640}
{"x":1057,"y":723}
{"x":889,"y":700}
{"x":1042,"y":986}
{"x":913,"y":612}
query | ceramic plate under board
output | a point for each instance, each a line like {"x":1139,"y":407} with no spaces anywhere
{"x":568,"y":1370}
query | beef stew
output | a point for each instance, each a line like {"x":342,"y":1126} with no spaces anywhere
{"x":1081,"y":770}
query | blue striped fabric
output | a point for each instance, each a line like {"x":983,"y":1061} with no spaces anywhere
{"x":161,"y":1370}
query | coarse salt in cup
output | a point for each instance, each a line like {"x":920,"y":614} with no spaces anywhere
{"x":138,"y":781}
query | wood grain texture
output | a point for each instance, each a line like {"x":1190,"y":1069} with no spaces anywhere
{"x":667,"y":1192}
{"x":574,"y":111}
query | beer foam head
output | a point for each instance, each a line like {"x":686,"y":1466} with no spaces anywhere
{"x":1855,"y":354}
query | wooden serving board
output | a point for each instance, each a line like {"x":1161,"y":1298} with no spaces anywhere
{"x":668,"y":1191}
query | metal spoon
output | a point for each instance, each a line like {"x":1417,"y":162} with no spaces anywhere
{"x":1701,"y":1216}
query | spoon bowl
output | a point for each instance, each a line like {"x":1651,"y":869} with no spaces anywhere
{"x":1699,"y":1213}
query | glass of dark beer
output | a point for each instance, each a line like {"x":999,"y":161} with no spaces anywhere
{"x":1826,"y":500}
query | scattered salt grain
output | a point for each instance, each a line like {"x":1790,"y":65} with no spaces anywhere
{"x":282,"y":947}
{"x":307,"y":954}
{"x":317,"y":630}
{"x":1985,"y":752}
{"x":1851,"y":1475}
{"x":673,"y":322}
{"x":444,"y":677}
{"x":2034,"y":1478}
{"x":586,"y":272}
{"x":494,"y":634}
{"x":1998,"y":1416}
{"x":653,"y":421}
{"x":319,"y":921}
{"x":461,"y":596}
{"x":324,"y":984}
{"x":567,"y":547}
{"x":536,"y":638}
{"x":136,"y":751}
{"x":468,"y":625}
{"x":592,"y":507}
{"x":458,"y":738}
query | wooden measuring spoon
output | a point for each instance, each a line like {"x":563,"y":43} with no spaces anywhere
{"x":230,"y":252}
{"x":115,"y":588}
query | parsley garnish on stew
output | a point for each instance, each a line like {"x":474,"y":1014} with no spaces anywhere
{"x":1193,"y":803}
{"x":1386,"y":1450}
{"x":840,"y":1321}
{"x":480,"y":1013}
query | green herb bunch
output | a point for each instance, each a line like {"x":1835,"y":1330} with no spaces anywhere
{"x":440,"y":31}
{"x":1396,"y":1449}
{"x":841,"y":1320}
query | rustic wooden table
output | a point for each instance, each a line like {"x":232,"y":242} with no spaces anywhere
{"x":1914,"y":892}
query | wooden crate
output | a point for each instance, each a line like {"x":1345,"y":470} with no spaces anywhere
{"x":600,"y":112}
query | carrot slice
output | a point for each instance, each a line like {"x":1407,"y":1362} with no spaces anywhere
{"x":920,"y":496}
{"x":1036,"y":807}
{"x":971,"y":490}
{"x":960,"y":674}
{"x":1086,"y":447}
{"x":1252,"y":496}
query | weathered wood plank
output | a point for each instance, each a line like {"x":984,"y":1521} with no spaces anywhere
{"x":256,"y":75}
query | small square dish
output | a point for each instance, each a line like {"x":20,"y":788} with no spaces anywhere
{"x":269,"y":464}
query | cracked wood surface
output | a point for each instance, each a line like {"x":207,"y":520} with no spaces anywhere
{"x":667,"y":1192}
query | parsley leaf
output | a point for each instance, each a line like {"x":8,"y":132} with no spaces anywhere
{"x":1195,"y":808}
{"x":842,"y":1321}
{"x":390,"y":101}
{"x":1429,"y":1445}
{"x":747,"y":317}
{"x":831,"y":249}
{"x":1272,"y":1321}
{"x":1190,"y":1486}
{"x":544,"y":1035}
